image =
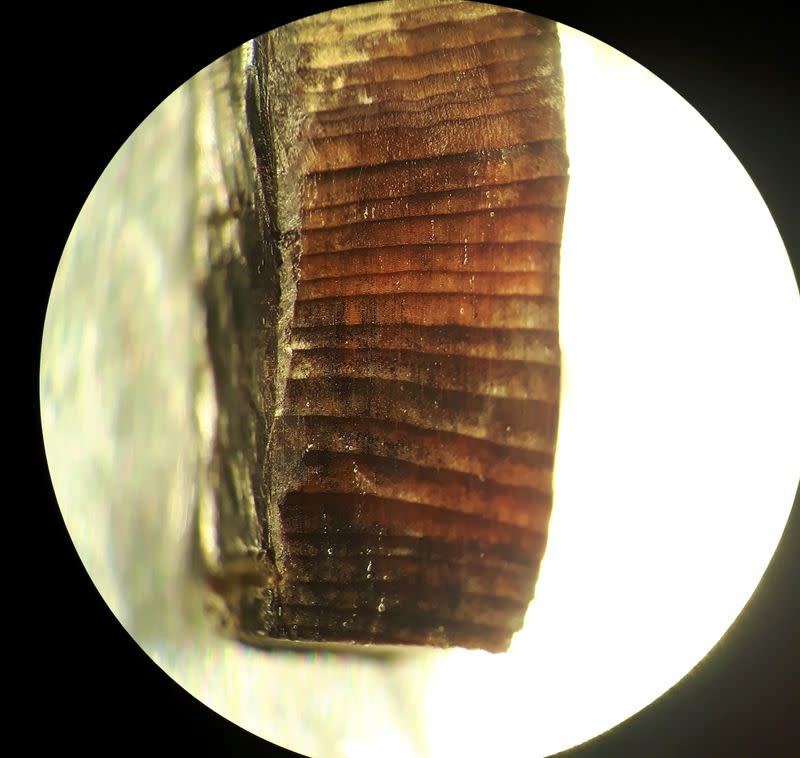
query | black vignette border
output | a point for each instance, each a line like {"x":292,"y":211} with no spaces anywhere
{"x":88,"y":89}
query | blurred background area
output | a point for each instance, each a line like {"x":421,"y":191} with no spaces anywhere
{"x":122,"y":346}
{"x":116,"y":380}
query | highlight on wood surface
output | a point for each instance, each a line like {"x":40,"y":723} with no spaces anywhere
{"x":381,"y":204}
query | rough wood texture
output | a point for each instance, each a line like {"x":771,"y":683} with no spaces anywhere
{"x":411,"y":176}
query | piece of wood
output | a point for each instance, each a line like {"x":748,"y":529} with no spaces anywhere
{"x":388,"y":394}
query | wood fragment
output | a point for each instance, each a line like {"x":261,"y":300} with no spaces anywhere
{"x":382,"y":241}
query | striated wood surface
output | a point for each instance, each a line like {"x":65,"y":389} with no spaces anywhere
{"x":412,"y":178}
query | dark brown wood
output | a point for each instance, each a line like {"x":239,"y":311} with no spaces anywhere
{"x":410,"y":177}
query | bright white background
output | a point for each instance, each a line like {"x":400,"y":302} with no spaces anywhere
{"x":678,"y":447}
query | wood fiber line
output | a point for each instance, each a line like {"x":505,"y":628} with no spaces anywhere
{"x":524,"y":423}
{"x":410,"y":35}
{"x":432,"y":554}
{"x":534,"y":345}
{"x":439,"y":60}
{"x":343,"y":473}
{"x":373,"y":23}
{"x":421,"y":599}
{"x":544,"y":191}
{"x":479,"y":376}
{"x":465,"y":101}
{"x":468,"y":258}
{"x":430,"y":280}
{"x":332,"y":514}
{"x":435,"y":449}
{"x":447,"y":172}
{"x":431,"y":309}
{"x":503,"y":579}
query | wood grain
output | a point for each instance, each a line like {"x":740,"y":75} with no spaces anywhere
{"x":412,"y":178}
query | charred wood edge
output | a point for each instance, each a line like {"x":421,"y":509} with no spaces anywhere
{"x":245,"y":248}
{"x":238,"y":286}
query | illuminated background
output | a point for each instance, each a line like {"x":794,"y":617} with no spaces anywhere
{"x":678,"y":444}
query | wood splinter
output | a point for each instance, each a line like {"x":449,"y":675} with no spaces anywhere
{"x":382,"y":199}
